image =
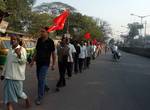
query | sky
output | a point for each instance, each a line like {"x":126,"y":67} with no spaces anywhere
{"x":115,"y":12}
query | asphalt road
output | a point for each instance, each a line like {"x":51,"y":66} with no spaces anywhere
{"x":107,"y":85}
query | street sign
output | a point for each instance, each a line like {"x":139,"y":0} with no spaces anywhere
{"x":3,"y":26}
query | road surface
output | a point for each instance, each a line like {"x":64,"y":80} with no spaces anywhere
{"x":107,"y":85}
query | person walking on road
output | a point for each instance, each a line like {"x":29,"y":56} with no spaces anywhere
{"x":89,"y":54}
{"x":82,"y":56}
{"x":70,"y":61}
{"x":115,"y":52}
{"x":76,"y":57}
{"x":14,"y":74}
{"x":63,"y":54}
{"x":86,"y":55}
{"x":44,"y":49}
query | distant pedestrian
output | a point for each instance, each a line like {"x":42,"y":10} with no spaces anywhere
{"x":86,"y":55}
{"x":76,"y":57}
{"x":106,"y":48}
{"x":70,"y":61}
{"x":82,"y":56}
{"x":94,"y":51}
{"x":89,"y":54}
{"x":115,"y":52}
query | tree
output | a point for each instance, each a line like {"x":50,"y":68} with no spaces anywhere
{"x":106,"y":29}
{"x":53,"y":8}
{"x":2,"y":5}
{"x":112,"y":41}
{"x":134,"y":30}
{"x":21,"y":12}
{"x":37,"y":21}
{"x":78,"y":24}
{"x":24,"y":19}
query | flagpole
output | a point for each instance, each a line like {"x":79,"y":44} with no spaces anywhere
{"x":67,"y":33}
{"x":68,"y":26}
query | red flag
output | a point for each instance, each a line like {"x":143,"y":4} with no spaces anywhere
{"x":61,"y":18}
{"x":52,"y":28}
{"x":59,"y":21}
{"x":94,"y":41}
{"x":87,"y":36}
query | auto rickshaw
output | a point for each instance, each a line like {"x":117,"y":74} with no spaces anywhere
{"x":28,"y":44}
{"x":4,"y":47}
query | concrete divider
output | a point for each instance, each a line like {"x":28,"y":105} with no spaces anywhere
{"x":138,"y":51}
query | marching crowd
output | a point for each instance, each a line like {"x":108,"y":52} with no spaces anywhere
{"x":73,"y":56}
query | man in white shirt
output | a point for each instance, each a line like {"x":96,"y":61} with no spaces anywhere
{"x":115,"y":48}
{"x":70,"y":62}
{"x":86,"y":55}
{"x":82,"y":56}
{"x":115,"y":51}
{"x":14,"y":74}
{"x":94,"y":51}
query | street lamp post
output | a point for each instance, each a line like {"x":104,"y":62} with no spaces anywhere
{"x":125,"y":27}
{"x":141,"y":17}
{"x":145,"y":28}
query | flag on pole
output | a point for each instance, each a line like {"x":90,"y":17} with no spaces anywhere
{"x":94,"y":42}
{"x":87,"y":36}
{"x":59,"y":21}
{"x":51,"y":28}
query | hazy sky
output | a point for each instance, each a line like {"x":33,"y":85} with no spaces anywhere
{"x":116,"y":12}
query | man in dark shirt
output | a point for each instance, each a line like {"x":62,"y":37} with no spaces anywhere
{"x":44,"y":49}
{"x":76,"y":57}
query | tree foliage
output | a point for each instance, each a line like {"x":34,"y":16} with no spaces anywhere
{"x":2,"y":5}
{"x":24,"y":19}
{"x":37,"y":21}
{"x":134,"y":29}
{"x":20,"y":13}
{"x":112,"y":41}
{"x":80,"y":24}
{"x":53,"y":8}
{"x":106,"y":29}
